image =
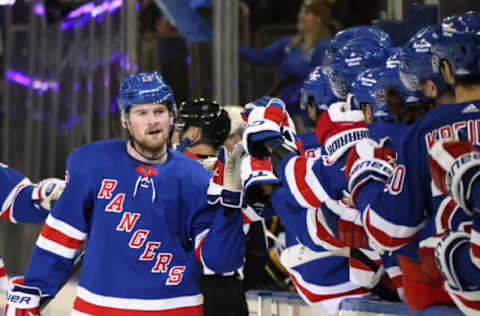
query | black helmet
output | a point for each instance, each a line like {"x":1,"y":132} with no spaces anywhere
{"x":207,"y":115}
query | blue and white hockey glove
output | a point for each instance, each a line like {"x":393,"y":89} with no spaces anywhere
{"x":445,"y":252}
{"x":23,"y":300}
{"x":264,"y":128}
{"x":225,"y":186}
{"x":46,"y":192}
{"x":455,"y":166}
{"x":255,"y":175}
{"x":366,"y":161}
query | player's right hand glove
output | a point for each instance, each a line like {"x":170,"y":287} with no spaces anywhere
{"x":264,"y":128}
{"x":366,"y":161}
{"x":454,"y":166}
{"x":345,"y":223}
{"x":47,"y":191}
{"x":23,"y":300}
{"x":225,"y":187}
{"x":339,"y":128}
{"x":256,"y":174}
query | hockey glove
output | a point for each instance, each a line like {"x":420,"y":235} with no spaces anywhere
{"x":445,"y":252}
{"x":454,"y":166}
{"x":367,"y":161}
{"x":262,"y":102}
{"x":345,"y":223}
{"x":225,"y":186}
{"x":255,"y":174}
{"x":23,"y":300}
{"x":46,"y":192}
{"x":264,"y":128}
{"x":339,"y":128}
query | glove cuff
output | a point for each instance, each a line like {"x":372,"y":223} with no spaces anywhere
{"x":339,"y":144}
{"x":364,"y":170}
{"x":460,"y":177}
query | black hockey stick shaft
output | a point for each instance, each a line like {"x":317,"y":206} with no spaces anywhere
{"x":77,"y":264}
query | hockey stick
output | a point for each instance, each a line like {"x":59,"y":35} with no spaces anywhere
{"x":77,"y":264}
{"x":299,"y":254}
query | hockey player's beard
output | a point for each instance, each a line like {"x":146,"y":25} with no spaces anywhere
{"x":151,"y":149}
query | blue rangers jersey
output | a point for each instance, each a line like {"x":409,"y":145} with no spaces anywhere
{"x":395,"y":214}
{"x":321,"y":283}
{"x":148,"y":229}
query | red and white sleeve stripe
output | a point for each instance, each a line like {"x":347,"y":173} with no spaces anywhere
{"x":303,"y":182}
{"x":6,"y":211}
{"x":445,"y":214}
{"x":319,"y":233}
{"x":325,"y":298}
{"x":387,"y":235}
{"x":60,"y":238}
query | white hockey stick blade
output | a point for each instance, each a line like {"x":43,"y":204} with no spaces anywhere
{"x":299,"y":254}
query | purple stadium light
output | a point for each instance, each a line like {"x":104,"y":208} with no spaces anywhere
{"x":18,"y":77}
{"x":90,"y":9}
{"x":38,"y":9}
{"x":85,"y":8}
{"x":26,"y":81}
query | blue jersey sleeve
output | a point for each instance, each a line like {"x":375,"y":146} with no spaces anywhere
{"x":16,"y":198}
{"x":64,"y":231}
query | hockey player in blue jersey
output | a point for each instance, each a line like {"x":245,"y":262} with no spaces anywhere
{"x":455,"y":168}
{"x":395,"y":212}
{"x":24,"y":202}
{"x":142,"y":208}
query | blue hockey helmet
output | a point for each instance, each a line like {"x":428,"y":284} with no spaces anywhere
{"x":368,"y":88}
{"x":391,"y":78}
{"x":348,"y":34}
{"x":146,"y":87}
{"x":415,"y":60}
{"x":466,"y":22}
{"x":460,"y":49}
{"x":317,"y":87}
{"x":356,"y":56}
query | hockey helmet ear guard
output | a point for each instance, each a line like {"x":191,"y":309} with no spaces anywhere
{"x":142,"y":88}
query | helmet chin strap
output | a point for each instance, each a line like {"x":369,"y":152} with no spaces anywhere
{"x":132,"y":142}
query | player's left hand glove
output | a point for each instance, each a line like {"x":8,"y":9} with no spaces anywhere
{"x":345,"y":223}
{"x":454,"y":166}
{"x":47,"y":191}
{"x":256,"y":174}
{"x":264,"y":128}
{"x":366,"y":161}
{"x":23,"y":300}
{"x":445,"y":253}
{"x":225,"y":186}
